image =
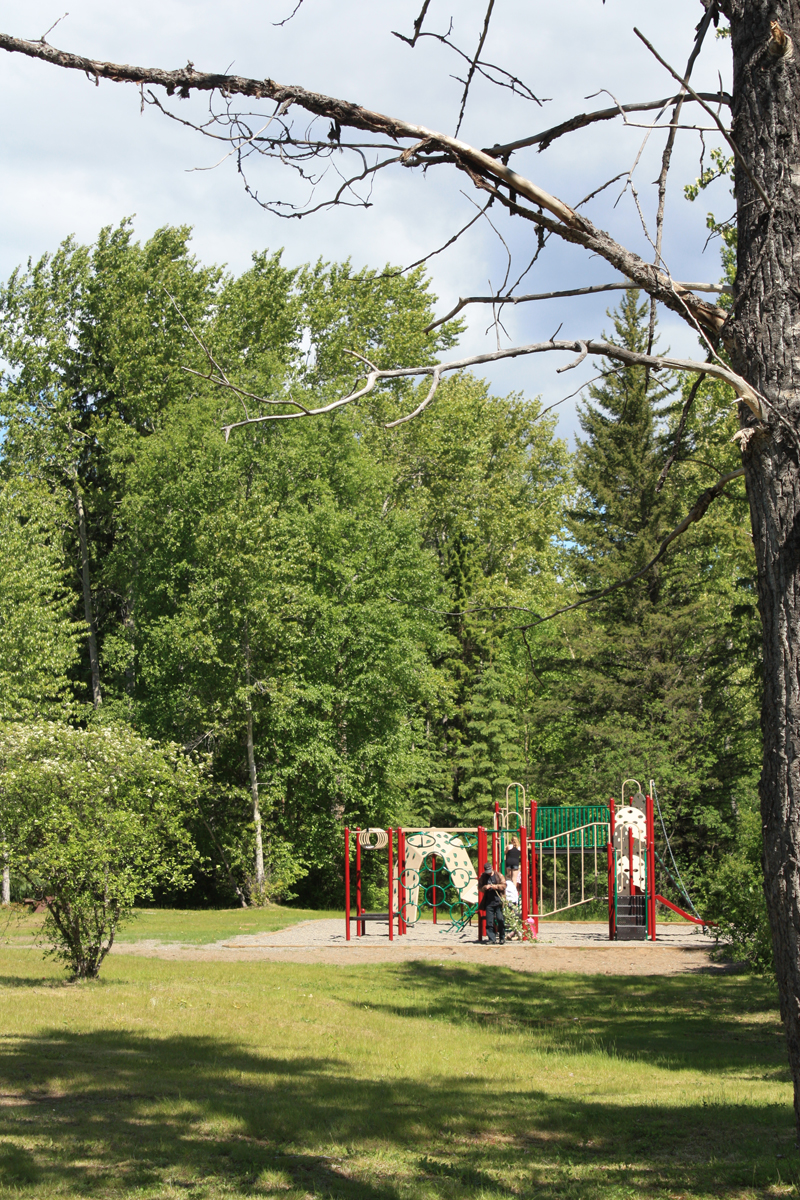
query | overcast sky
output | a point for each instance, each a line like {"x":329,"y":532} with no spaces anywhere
{"x":76,"y":157}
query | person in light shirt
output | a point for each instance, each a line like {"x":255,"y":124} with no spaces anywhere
{"x":512,"y":895}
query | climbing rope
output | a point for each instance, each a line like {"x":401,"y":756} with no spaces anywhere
{"x":677,"y":879}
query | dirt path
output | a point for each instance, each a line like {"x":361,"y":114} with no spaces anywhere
{"x":578,"y":947}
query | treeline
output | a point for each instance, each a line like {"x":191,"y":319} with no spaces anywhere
{"x":343,"y":621}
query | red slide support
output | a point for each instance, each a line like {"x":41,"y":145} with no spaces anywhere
{"x":683,"y":913}
{"x":433,"y":885}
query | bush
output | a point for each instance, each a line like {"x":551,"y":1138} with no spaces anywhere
{"x":734,"y":898}
{"x":282,"y":869}
{"x":94,"y":819}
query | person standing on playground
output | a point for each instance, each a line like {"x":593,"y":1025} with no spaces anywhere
{"x":514,"y":861}
{"x":493,"y":889}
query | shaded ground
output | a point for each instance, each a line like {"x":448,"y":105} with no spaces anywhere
{"x":421,"y":1080}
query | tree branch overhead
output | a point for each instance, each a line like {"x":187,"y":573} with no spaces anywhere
{"x":486,"y":170}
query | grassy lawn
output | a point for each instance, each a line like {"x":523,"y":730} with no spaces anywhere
{"x":176,"y":924}
{"x":392,"y":1082}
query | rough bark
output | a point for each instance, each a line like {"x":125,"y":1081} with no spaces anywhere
{"x":88,"y":606}
{"x":766,"y":336}
{"x":6,"y":896}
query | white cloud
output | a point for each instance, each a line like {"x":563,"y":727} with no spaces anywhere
{"x":76,"y":157}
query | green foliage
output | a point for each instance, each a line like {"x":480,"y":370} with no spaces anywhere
{"x":515,"y":929}
{"x":38,"y":637}
{"x":487,"y":480}
{"x":282,"y":869}
{"x":93,"y":819}
{"x":660,"y":679}
{"x":726,"y":230}
{"x":346,"y":598}
{"x":733,"y":897}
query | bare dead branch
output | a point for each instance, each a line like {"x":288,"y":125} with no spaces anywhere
{"x":486,"y":171}
{"x":43,"y":38}
{"x":567,"y":292}
{"x":412,"y":41}
{"x":676,"y":444}
{"x":221,"y":379}
{"x":696,"y":513}
{"x":471,"y":73}
{"x":605,"y":349}
{"x":666,"y":159}
{"x":492,"y":72}
{"x":548,"y":136}
{"x":293,"y":13}
{"x":563,"y":399}
{"x":685,"y":83}
{"x":445,"y":245}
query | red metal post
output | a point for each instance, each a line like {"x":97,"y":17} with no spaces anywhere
{"x":534,"y":876}
{"x":401,"y":887}
{"x":611,"y":872}
{"x":390,"y":833}
{"x":347,"y":883}
{"x":359,"y":924}
{"x":482,"y":858}
{"x":433,"y":886}
{"x":651,"y":871}
{"x":523,"y":862}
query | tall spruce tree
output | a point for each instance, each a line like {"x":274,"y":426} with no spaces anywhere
{"x":647,"y":681}
{"x":620,"y":518}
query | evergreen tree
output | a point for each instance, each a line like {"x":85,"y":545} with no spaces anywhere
{"x":648,"y":681}
{"x":619,"y":518}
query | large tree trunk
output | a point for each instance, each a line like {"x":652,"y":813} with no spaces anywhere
{"x":766,"y":332}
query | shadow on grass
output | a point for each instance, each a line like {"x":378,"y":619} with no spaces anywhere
{"x":111,"y":1112}
{"x":673,"y":1022}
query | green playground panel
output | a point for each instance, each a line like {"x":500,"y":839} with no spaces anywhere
{"x":569,"y":820}
{"x":448,"y":902}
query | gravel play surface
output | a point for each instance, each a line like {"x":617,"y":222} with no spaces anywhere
{"x":575,"y":946}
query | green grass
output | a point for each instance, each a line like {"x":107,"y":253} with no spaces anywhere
{"x":415,"y":1081}
{"x":177,"y":924}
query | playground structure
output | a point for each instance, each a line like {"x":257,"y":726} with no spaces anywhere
{"x":570,"y":856}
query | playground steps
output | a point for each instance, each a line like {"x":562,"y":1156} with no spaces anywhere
{"x":631,"y":919}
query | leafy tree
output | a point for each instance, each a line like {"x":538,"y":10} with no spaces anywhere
{"x":38,"y":636}
{"x":265,"y":625}
{"x":95,"y":819}
{"x":95,"y":351}
{"x":487,"y":479}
